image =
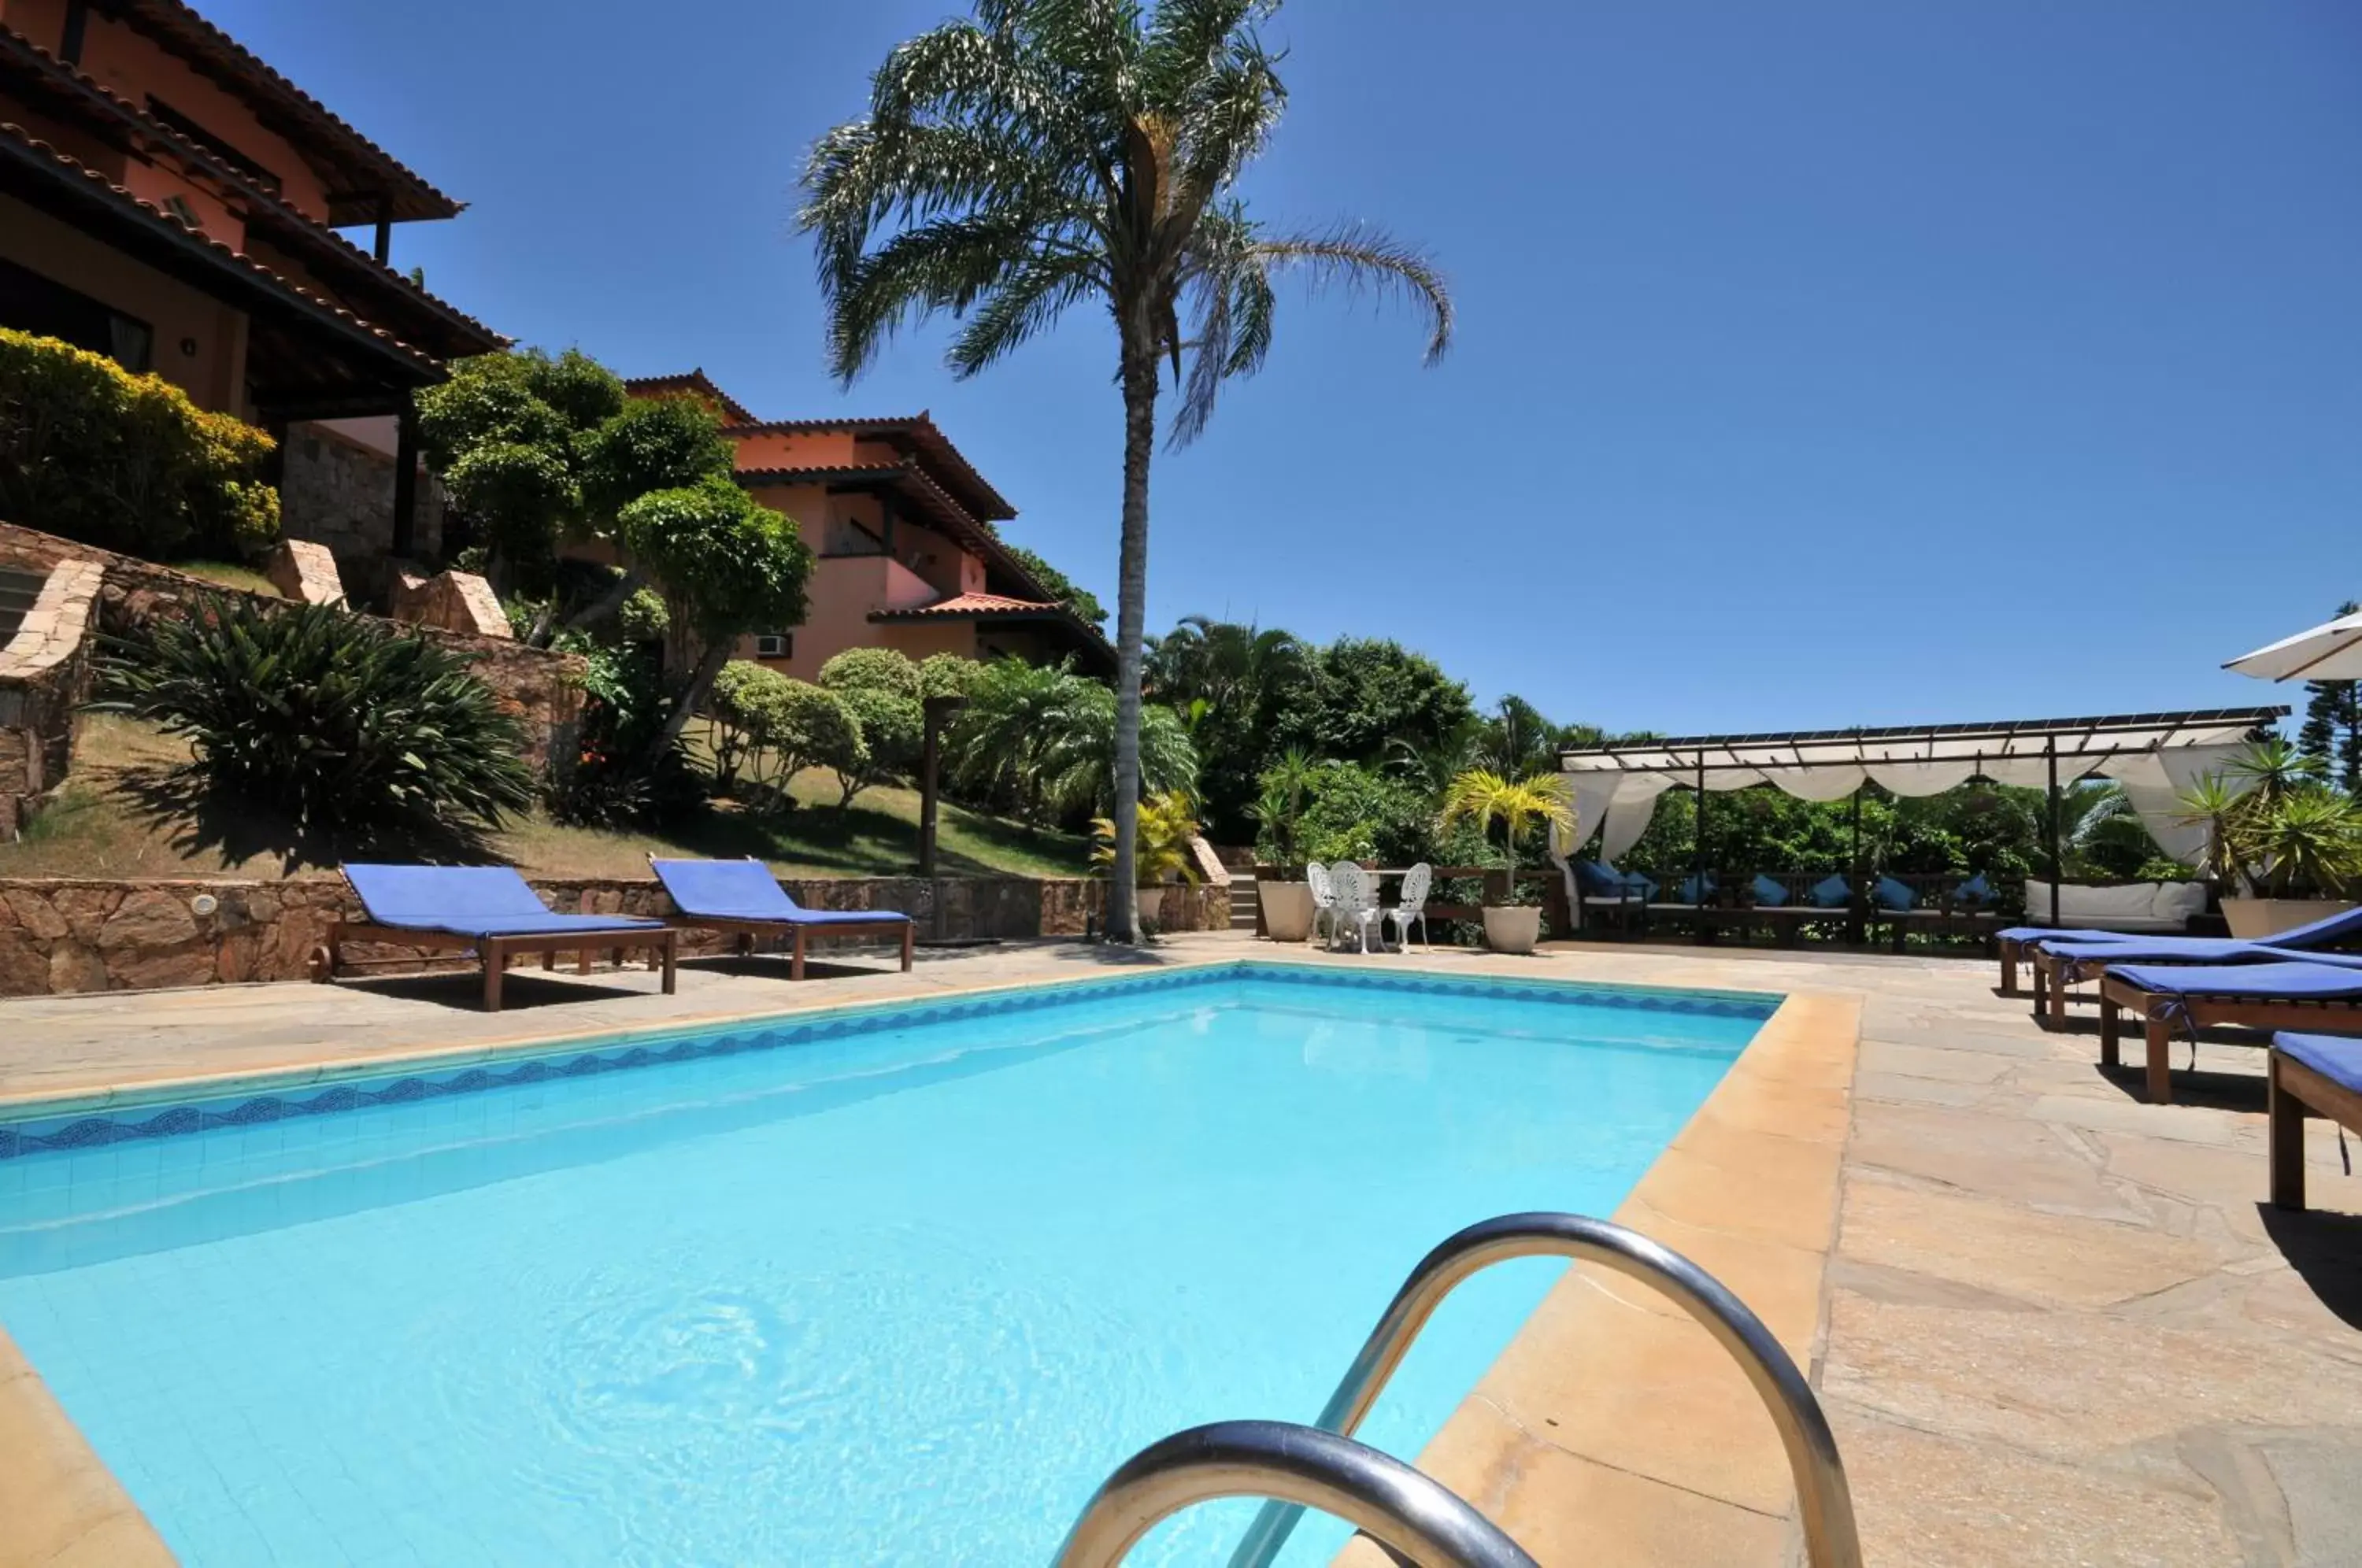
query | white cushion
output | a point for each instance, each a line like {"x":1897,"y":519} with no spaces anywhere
{"x":2177,"y":901}
{"x":2136,"y":906}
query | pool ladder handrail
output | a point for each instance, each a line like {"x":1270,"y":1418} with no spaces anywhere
{"x":1825,"y":1502}
{"x":1416,"y":1517}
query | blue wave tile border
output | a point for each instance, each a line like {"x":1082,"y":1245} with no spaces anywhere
{"x":86,"y":1129}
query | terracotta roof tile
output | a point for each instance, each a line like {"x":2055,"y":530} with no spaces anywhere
{"x":12,"y":133}
{"x":247,"y":188}
{"x":969,"y":604}
{"x":183,"y":26}
{"x":984,"y":501}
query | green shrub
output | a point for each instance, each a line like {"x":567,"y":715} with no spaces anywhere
{"x":877,"y":669}
{"x":334,"y":720}
{"x":949,"y":675}
{"x":90,"y":451}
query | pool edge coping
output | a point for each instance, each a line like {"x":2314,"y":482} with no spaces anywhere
{"x":61,"y":1506}
{"x":1579,"y":1459}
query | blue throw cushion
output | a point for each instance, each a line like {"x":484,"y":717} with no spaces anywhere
{"x":1603,"y":880}
{"x":1892,"y":895}
{"x":1768,"y":893}
{"x":1640,"y":886}
{"x":1975,"y":891}
{"x":1694,"y":889}
{"x":1830,"y":892}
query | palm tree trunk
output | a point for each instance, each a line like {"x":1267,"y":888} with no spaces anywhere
{"x":1130,"y":625}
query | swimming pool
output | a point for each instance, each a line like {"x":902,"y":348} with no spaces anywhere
{"x":884,"y":1286}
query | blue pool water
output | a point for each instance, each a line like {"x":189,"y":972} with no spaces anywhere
{"x":894,"y":1288}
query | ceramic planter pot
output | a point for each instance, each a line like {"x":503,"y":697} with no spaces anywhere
{"x":1287,"y":911}
{"x":1513,"y":929}
{"x":2252,"y":918}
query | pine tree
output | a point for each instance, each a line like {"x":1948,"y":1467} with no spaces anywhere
{"x":2333,"y":724}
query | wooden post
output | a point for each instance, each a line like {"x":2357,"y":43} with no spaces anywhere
{"x":1697,"y":854}
{"x":2050,"y":749}
{"x":937,"y":710}
{"x":76,"y":29}
{"x":384,"y":228}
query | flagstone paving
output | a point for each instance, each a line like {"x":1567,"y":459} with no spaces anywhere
{"x":2057,"y":1324}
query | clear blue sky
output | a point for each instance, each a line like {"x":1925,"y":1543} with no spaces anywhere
{"x":1830,"y":362}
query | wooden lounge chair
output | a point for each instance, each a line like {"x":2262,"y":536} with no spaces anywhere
{"x":2074,"y":956}
{"x":744,"y":898}
{"x":486,"y":910}
{"x":2306,"y":991}
{"x":2312,"y":1075}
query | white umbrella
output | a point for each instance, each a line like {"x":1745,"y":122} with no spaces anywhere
{"x":2332,"y":651}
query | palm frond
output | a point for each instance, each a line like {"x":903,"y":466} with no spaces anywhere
{"x":1027,"y":302}
{"x":1359,"y":259}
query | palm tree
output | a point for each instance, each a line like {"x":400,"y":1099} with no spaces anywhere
{"x":1516,"y":804}
{"x":1047,"y":152}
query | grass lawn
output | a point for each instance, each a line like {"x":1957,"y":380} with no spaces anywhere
{"x":112,"y":820}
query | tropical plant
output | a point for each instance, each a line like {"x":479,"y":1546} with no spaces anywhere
{"x":335,"y":721}
{"x":1485,"y":797}
{"x":1045,"y":153}
{"x":2308,"y":844}
{"x":1353,"y":812}
{"x":127,"y":462}
{"x":1167,"y":824}
{"x":727,"y":567}
{"x":1038,"y":738}
{"x":1368,"y":697}
{"x":1284,"y":791}
{"x":1228,"y":681}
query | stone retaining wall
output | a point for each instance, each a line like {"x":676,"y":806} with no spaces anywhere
{"x":541,"y":689}
{"x":61,"y":934}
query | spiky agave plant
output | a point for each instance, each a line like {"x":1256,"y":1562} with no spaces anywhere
{"x":334,"y":720}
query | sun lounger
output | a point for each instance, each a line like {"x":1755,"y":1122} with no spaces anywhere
{"x":743,"y":897}
{"x":2312,"y":1075}
{"x":2060,"y":959}
{"x":488,"y":910}
{"x":2017,"y":945}
{"x":2298,"y":991}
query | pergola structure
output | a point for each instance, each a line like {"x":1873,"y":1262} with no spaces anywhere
{"x":2154,"y":757}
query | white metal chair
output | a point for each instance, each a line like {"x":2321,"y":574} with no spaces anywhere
{"x":1412,"y":906}
{"x":1324,"y":900}
{"x":1356,"y":908}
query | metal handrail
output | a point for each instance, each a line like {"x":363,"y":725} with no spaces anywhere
{"x":1824,"y":1499}
{"x":1413,"y":1515}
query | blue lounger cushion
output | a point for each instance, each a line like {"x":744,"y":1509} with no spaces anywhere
{"x":2290,"y":981}
{"x":470,"y":900}
{"x":1689,"y":890}
{"x":2037,"y":933}
{"x":746,"y":890}
{"x":2338,"y":1057}
{"x":2160,"y":950}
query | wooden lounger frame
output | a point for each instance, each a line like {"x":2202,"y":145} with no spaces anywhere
{"x":2117,"y":993}
{"x":662,"y":943}
{"x":747,"y":930}
{"x":2299,"y":1091}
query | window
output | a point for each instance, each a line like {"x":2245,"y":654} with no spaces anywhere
{"x":30,"y":302}
{"x":775,"y":645}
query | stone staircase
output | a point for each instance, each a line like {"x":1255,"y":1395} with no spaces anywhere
{"x":1239,"y":861}
{"x":18,"y":591}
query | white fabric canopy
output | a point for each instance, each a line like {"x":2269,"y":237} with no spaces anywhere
{"x":2154,"y":757}
{"x":2331,"y":651}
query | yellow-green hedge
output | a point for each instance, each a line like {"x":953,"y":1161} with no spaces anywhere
{"x":127,"y":462}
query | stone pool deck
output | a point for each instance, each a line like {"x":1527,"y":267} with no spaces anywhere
{"x":2051,"y":1323}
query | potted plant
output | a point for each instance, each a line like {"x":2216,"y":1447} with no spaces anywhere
{"x":1286,"y":898}
{"x":1161,"y":853}
{"x":2283,"y":846}
{"x":1485,"y":796}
